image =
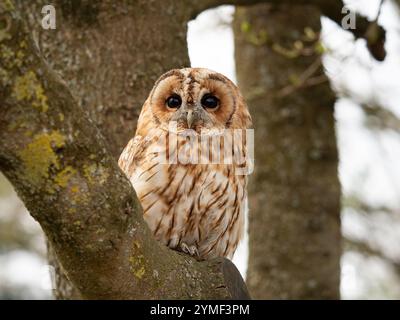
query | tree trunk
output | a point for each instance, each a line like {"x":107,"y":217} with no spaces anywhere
{"x":294,"y":219}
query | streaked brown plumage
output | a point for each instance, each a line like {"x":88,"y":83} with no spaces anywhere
{"x":193,"y":206}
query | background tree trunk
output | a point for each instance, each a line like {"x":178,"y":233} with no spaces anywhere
{"x":294,"y":219}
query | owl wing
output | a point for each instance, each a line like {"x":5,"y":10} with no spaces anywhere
{"x":127,"y":158}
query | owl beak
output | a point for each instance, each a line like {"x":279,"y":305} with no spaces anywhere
{"x":190,"y":118}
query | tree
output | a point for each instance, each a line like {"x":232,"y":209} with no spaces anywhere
{"x":291,"y":220}
{"x":294,"y":217}
{"x":59,"y":145}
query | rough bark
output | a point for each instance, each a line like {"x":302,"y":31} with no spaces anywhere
{"x":294,"y":219}
{"x":110,"y":54}
{"x":61,"y":168}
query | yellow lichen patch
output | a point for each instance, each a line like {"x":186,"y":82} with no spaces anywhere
{"x":78,"y":193}
{"x":19,"y":59}
{"x":72,"y":210}
{"x":95,"y":173}
{"x":77,"y":200}
{"x":64,"y":176}
{"x":137,"y":266}
{"x":38,"y":156}
{"x":23,"y":44}
{"x":11,"y":59}
{"x":7,"y":55}
{"x":28,"y":88}
{"x":7,"y":59}
{"x":137,"y":261}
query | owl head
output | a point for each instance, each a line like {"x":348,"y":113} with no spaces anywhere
{"x":198,"y":99}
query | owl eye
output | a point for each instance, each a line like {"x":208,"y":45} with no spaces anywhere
{"x":174,"y":101}
{"x":209,"y":101}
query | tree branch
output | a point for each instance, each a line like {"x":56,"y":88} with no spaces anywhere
{"x":374,"y":34}
{"x":381,"y":118}
{"x":59,"y":165}
{"x":367,"y":249}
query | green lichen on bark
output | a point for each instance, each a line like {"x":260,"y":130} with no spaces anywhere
{"x":28,"y":88}
{"x":7,"y":54}
{"x":137,"y":261}
{"x":63,"y":177}
{"x":39,"y":156}
{"x":10,"y":57}
{"x":137,"y":266}
{"x":95,"y":173}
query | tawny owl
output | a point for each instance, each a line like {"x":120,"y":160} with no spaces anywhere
{"x":183,"y":162}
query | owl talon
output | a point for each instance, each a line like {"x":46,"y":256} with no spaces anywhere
{"x":191,"y":250}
